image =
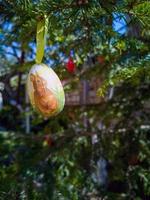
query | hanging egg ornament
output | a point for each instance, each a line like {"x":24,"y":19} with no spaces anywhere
{"x":71,"y":65}
{"x":45,"y":90}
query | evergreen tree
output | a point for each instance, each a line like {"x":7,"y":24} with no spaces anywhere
{"x":59,"y":158}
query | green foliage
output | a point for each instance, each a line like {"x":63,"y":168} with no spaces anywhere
{"x":134,"y":73}
{"x":142,"y":11}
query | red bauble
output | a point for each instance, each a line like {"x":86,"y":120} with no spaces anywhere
{"x":70,"y":65}
{"x":48,"y":140}
{"x":82,"y":2}
{"x":133,"y":160}
{"x":101,"y":59}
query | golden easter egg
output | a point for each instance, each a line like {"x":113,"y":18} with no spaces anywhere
{"x":45,"y":90}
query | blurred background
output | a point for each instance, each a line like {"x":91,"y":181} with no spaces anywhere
{"x":98,"y":147}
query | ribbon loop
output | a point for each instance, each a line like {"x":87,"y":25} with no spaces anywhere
{"x":42,"y":27}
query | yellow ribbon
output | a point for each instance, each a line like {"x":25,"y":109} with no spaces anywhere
{"x":42,"y":27}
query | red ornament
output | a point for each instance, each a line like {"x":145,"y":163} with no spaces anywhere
{"x":82,"y":2}
{"x":101,"y":59}
{"x":70,"y":65}
{"x":133,"y":160}
{"x":48,"y":141}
